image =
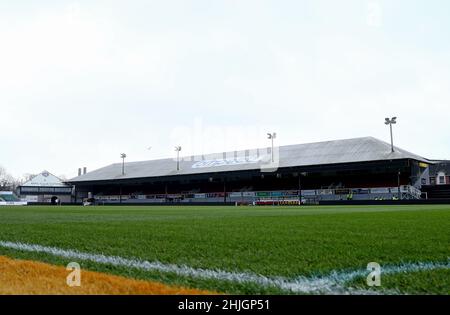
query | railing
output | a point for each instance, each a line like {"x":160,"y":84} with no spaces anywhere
{"x":414,"y":192}
{"x":406,"y":192}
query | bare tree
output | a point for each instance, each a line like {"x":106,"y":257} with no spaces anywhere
{"x":7,"y":181}
{"x":2,"y":171}
{"x":3,"y":178}
{"x":27,"y":177}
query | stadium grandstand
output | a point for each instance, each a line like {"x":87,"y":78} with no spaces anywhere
{"x":9,"y":198}
{"x":45,"y":188}
{"x":352,"y":169}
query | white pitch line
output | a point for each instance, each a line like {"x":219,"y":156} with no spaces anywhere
{"x":332,"y":283}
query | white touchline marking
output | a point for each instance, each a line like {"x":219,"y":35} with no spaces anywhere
{"x":332,"y":283}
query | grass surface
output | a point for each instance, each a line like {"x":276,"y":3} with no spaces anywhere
{"x":272,"y":241}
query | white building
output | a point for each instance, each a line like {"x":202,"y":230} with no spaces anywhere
{"x":45,"y":188}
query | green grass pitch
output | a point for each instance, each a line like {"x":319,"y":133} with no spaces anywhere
{"x":269,"y":241}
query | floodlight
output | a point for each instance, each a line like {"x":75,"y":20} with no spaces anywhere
{"x":391,"y":122}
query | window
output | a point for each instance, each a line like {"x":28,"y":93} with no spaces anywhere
{"x":424,"y":181}
{"x":440,"y":180}
{"x":29,"y":189}
{"x":63,"y":190}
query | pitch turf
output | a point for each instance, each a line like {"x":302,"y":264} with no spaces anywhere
{"x":274,"y":242}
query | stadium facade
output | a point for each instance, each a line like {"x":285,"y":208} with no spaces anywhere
{"x":436,"y":182}
{"x":359,"y":169}
{"x":45,"y":188}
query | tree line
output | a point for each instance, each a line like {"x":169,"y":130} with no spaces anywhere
{"x":9,"y":182}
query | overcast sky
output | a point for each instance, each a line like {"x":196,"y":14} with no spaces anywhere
{"x":83,"y":81}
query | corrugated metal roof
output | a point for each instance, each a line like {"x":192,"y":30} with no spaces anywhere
{"x":319,"y":153}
